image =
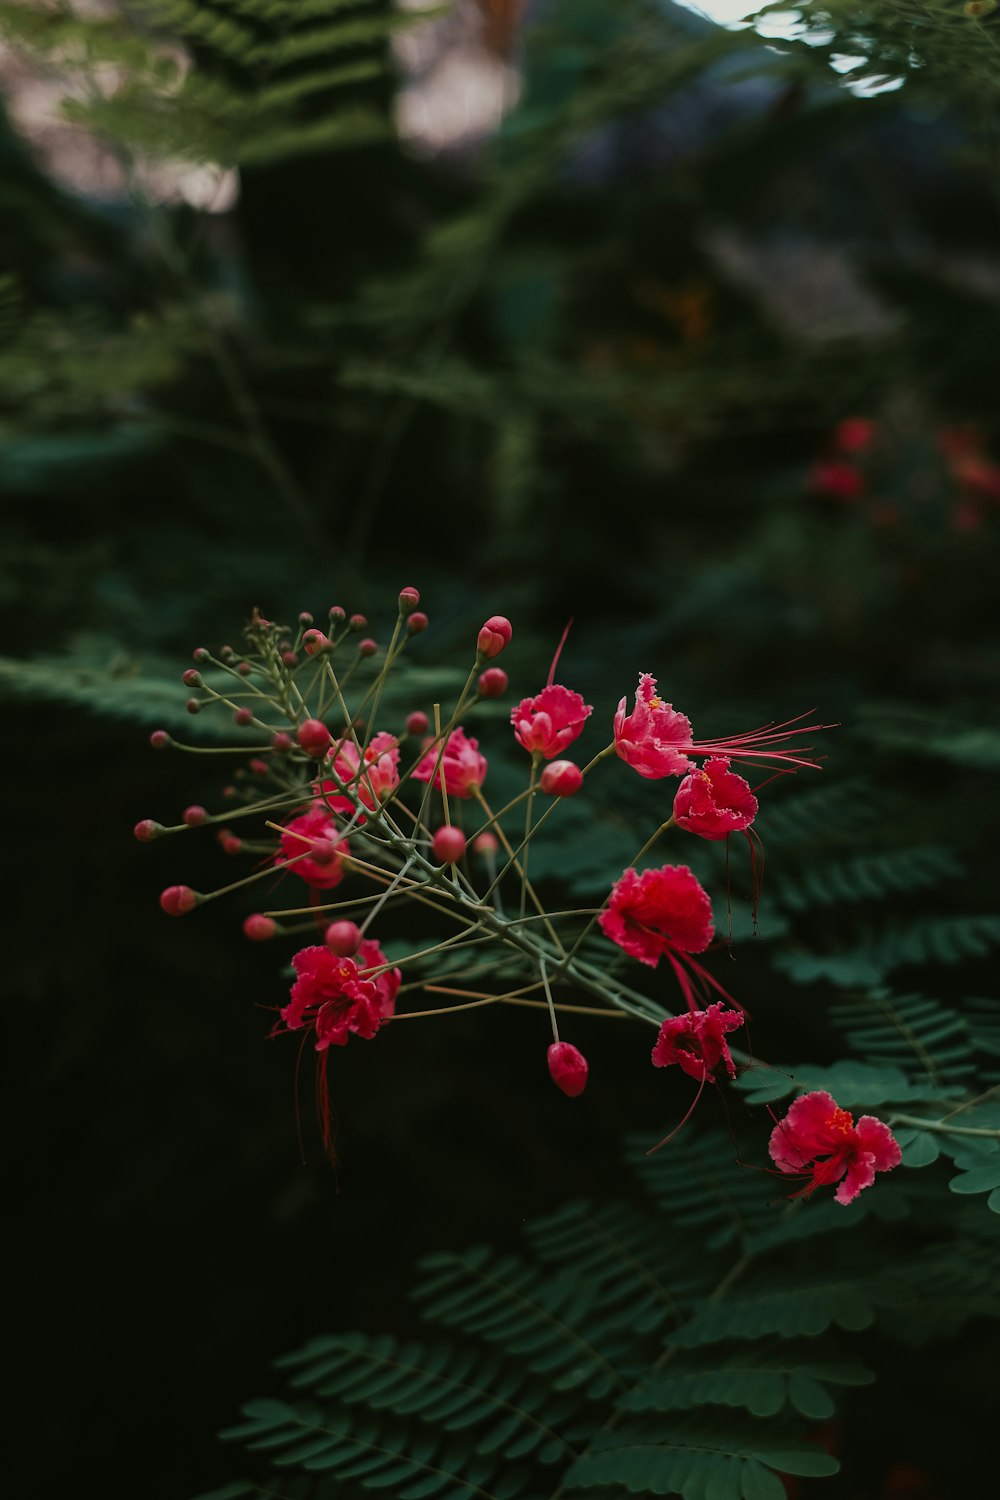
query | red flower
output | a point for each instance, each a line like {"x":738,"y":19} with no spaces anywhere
{"x":714,"y":801}
{"x":656,"y":740}
{"x":837,"y":480}
{"x":568,"y":1068}
{"x":854,"y":434}
{"x":658,"y":912}
{"x":334,"y":997}
{"x":818,"y":1140}
{"x":314,"y":834}
{"x":697,"y":1041}
{"x":378,"y":781}
{"x":550,"y":721}
{"x":462,"y":766}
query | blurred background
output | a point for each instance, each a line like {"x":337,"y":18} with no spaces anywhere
{"x":680,"y":325}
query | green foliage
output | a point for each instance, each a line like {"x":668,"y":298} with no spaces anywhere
{"x":622,"y":1354}
{"x":870,"y":877}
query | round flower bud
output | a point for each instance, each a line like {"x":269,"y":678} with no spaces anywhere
{"x":561,"y":778}
{"x":194,"y":816}
{"x":314,"y":737}
{"x":493,"y":682}
{"x":290,"y":658}
{"x":486,"y":844}
{"x":229,"y":843}
{"x":305,"y":618}
{"x":417,"y":723}
{"x":338,"y":614}
{"x":282,"y":742}
{"x":417,"y":622}
{"x":259,"y":767}
{"x":409,"y":598}
{"x":259,"y":928}
{"x":193,"y":706}
{"x":178,"y":899}
{"x":367,"y":647}
{"x":448,"y":844}
{"x":146,"y":830}
{"x":159,"y":739}
{"x":314,"y":641}
{"x":343,"y":938}
{"x":494,"y":636}
{"x":227,"y":653}
{"x":568,"y":1068}
{"x":357,"y":622}
{"x":201,"y":655}
{"x":243,"y":717}
{"x":191,"y":678}
{"x":244,"y":668}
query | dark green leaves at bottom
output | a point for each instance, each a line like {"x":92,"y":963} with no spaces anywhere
{"x":741,"y":1462}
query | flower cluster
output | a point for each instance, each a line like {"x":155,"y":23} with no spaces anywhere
{"x":368,"y":819}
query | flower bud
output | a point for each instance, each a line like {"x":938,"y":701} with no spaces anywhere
{"x":201,"y":655}
{"x":193,"y":706}
{"x":314,"y":737}
{"x":314,"y":642}
{"x":561,"y":778}
{"x":448,"y":844}
{"x":338,"y":614}
{"x":229,"y":842}
{"x":305,"y":618}
{"x":357,"y":622}
{"x":259,"y":928}
{"x":367,"y":647}
{"x":343,"y":938}
{"x":568,"y":1068}
{"x":494,"y":636}
{"x":159,"y":739}
{"x":191,"y":678}
{"x":409,"y":598}
{"x":146,"y":830}
{"x":282,"y":742}
{"x":290,"y":658}
{"x":417,"y":723}
{"x":244,"y":668}
{"x":259,"y":767}
{"x":417,"y":622}
{"x":486,"y":844}
{"x":493,"y":682}
{"x":227,"y":653}
{"x":194,"y":816}
{"x":178,"y":899}
{"x":243,"y":717}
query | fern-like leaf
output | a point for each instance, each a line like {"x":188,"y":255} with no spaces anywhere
{"x":870,"y":877}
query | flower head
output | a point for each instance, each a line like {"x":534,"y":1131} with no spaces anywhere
{"x":697,"y":1042}
{"x":714,"y":801}
{"x":550,"y":721}
{"x":819,"y":1140}
{"x":658,"y":912}
{"x":656,"y":740}
{"x":381,"y":776}
{"x":462,"y":766}
{"x":334,"y":996}
{"x":315,"y":835}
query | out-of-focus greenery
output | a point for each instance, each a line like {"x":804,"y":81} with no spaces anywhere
{"x":595,"y":366}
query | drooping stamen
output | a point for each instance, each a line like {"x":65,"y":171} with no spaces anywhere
{"x":690,"y":1111}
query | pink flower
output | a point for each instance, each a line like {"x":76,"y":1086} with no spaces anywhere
{"x":315,"y":835}
{"x":818,"y":1140}
{"x":550,"y":721}
{"x":462,"y":766}
{"x":697,"y":1041}
{"x":714,"y":802}
{"x":334,"y":997}
{"x":381,"y":778}
{"x":656,"y":740}
{"x":652,"y":739}
{"x":658,"y":912}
